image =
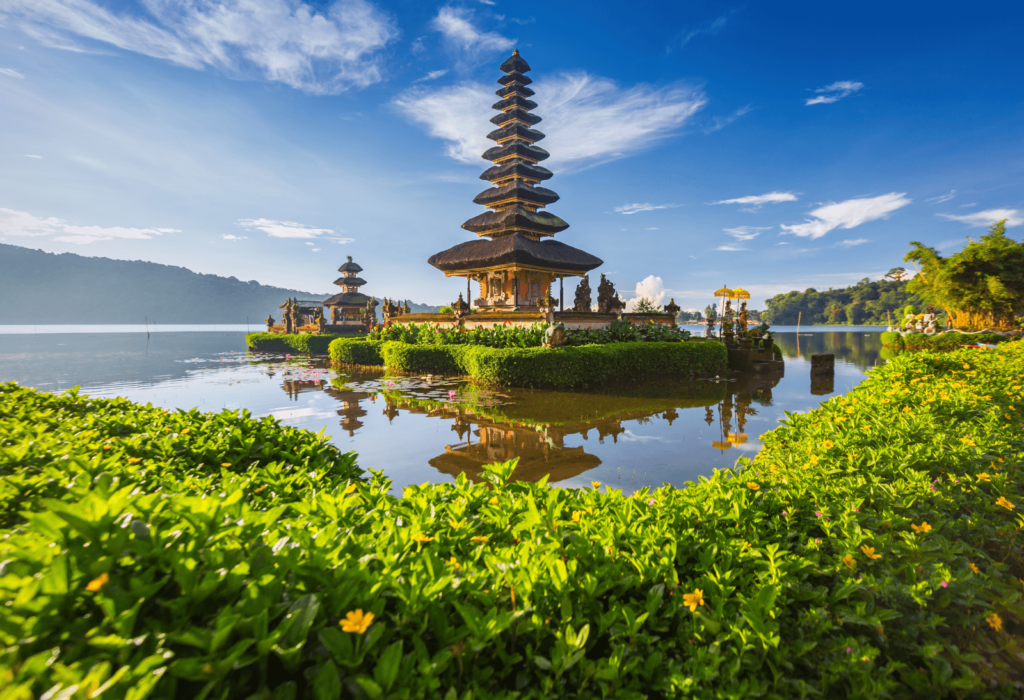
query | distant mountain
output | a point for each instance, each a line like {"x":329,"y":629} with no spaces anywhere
{"x":43,"y":288}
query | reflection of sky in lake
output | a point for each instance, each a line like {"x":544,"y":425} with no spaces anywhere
{"x":415,"y":430}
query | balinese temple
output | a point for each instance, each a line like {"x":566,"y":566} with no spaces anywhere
{"x":516,"y":259}
{"x":349,"y":307}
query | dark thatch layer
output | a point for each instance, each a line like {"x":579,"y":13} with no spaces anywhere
{"x":516,"y":148}
{"x":518,"y":189}
{"x":514,"y":88}
{"x":514,"y":101}
{"x":347,"y":299}
{"x":514,"y":249}
{"x":350,"y":282}
{"x":513,"y":219}
{"x":515,"y":78}
{"x":515,"y":64}
{"x":523,"y":132}
{"x":520,"y":168}
{"x":520,"y":114}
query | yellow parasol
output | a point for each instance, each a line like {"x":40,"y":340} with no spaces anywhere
{"x":740,"y":293}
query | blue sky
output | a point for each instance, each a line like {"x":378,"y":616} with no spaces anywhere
{"x":773,"y":146}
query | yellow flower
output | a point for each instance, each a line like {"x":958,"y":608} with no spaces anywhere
{"x":973,"y":567}
{"x":356,"y":621}
{"x":97,"y":583}
{"x":493,"y":501}
{"x":849,"y":561}
{"x":134,"y":460}
{"x":923,"y":527}
{"x":753,"y":485}
{"x":692,"y":600}
{"x":422,"y":539}
{"x":1001,"y":501}
{"x":994,"y":621}
{"x":869,"y":552}
{"x":984,"y":477}
{"x":350,"y":489}
{"x":828,"y":445}
{"x":479,"y":538}
{"x":576,"y":515}
{"x":595,"y":484}
{"x":454,"y":563}
{"x":455,"y":524}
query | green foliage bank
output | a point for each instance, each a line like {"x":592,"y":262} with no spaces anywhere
{"x":555,"y":368}
{"x":871,"y":549}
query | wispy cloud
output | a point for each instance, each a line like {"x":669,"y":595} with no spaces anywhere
{"x":636,"y":208}
{"x":834,"y":92}
{"x":286,"y":41}
{"x":11,"y":72}
{"x":20,"y":223}
{"x":942,"y":198}
{"x":746,"y":233}
{"x":1014,"y":217}
{"x":718,"y":123}
{"x":848,"y":214}
{"x":587,"y":118}
{"x":756,"y":201}
{"x":456,"y":24}
{"x":432,"y":75}
{"x":849,"y":243}
{"x":290,"y":229}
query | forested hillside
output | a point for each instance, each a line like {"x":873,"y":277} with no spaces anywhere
{"x":46,"y":288}
{"x":864,"y":304}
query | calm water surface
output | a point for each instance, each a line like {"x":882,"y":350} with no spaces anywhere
{"x":424,"y":429}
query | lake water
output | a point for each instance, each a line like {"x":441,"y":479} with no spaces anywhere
{"x":424,"y":429}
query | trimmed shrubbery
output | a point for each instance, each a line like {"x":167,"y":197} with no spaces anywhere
{"x":871,"y":549}
{"x":555,"y":368}
{"x":940,"y":341}
{"x":310,"y":343}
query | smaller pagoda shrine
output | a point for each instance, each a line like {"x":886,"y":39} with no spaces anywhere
{"x":350,"y":310}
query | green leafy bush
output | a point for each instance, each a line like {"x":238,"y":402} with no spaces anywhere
{"x":869,"y":550}
{"x":348,"y":351}
{"x":280,"y":342}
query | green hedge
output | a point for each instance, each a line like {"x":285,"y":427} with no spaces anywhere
{"x":279,"y":342}
{"x":941,"y":341}
{"x":869,"y":550}
{"x":349,"y":351}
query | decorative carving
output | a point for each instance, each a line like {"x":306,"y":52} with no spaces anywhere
{"x":607,"y":301}
{"x":582,"y":303}
{"x":554,"y":336}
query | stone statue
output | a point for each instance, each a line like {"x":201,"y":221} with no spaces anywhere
{"x":554,"y":336}
{"x":607,"y":301}
{"x":582,"y":302}
{"x":270,"y":323}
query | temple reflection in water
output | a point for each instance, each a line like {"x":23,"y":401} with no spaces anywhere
{"x":547,"y":431}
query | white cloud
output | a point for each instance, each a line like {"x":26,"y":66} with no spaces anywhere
{"x":651,"y":288}
{"x":730,"y":247}
{"x":286,"y":41}
{"x":943,"y":198}
{"x":756,"y":200}
{"x":1014,"y":217}
{"x":11,"y":72}
{"x":232,"y":237}
{"x":285,"y":229}
{"x":587,"y":118}
{"x":31,"y":156}
{"x":746,"y":233}
{"x":455,"y":23}
{"x":834,"y":92}
{"x":848,"y":214}
{"x":432,"y":75}
{"x":849,"y":243}
{"x":636,"y":208}
{"x":20,"y":223}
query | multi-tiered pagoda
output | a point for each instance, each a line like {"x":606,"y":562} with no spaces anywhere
{"x":516,"y":260}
